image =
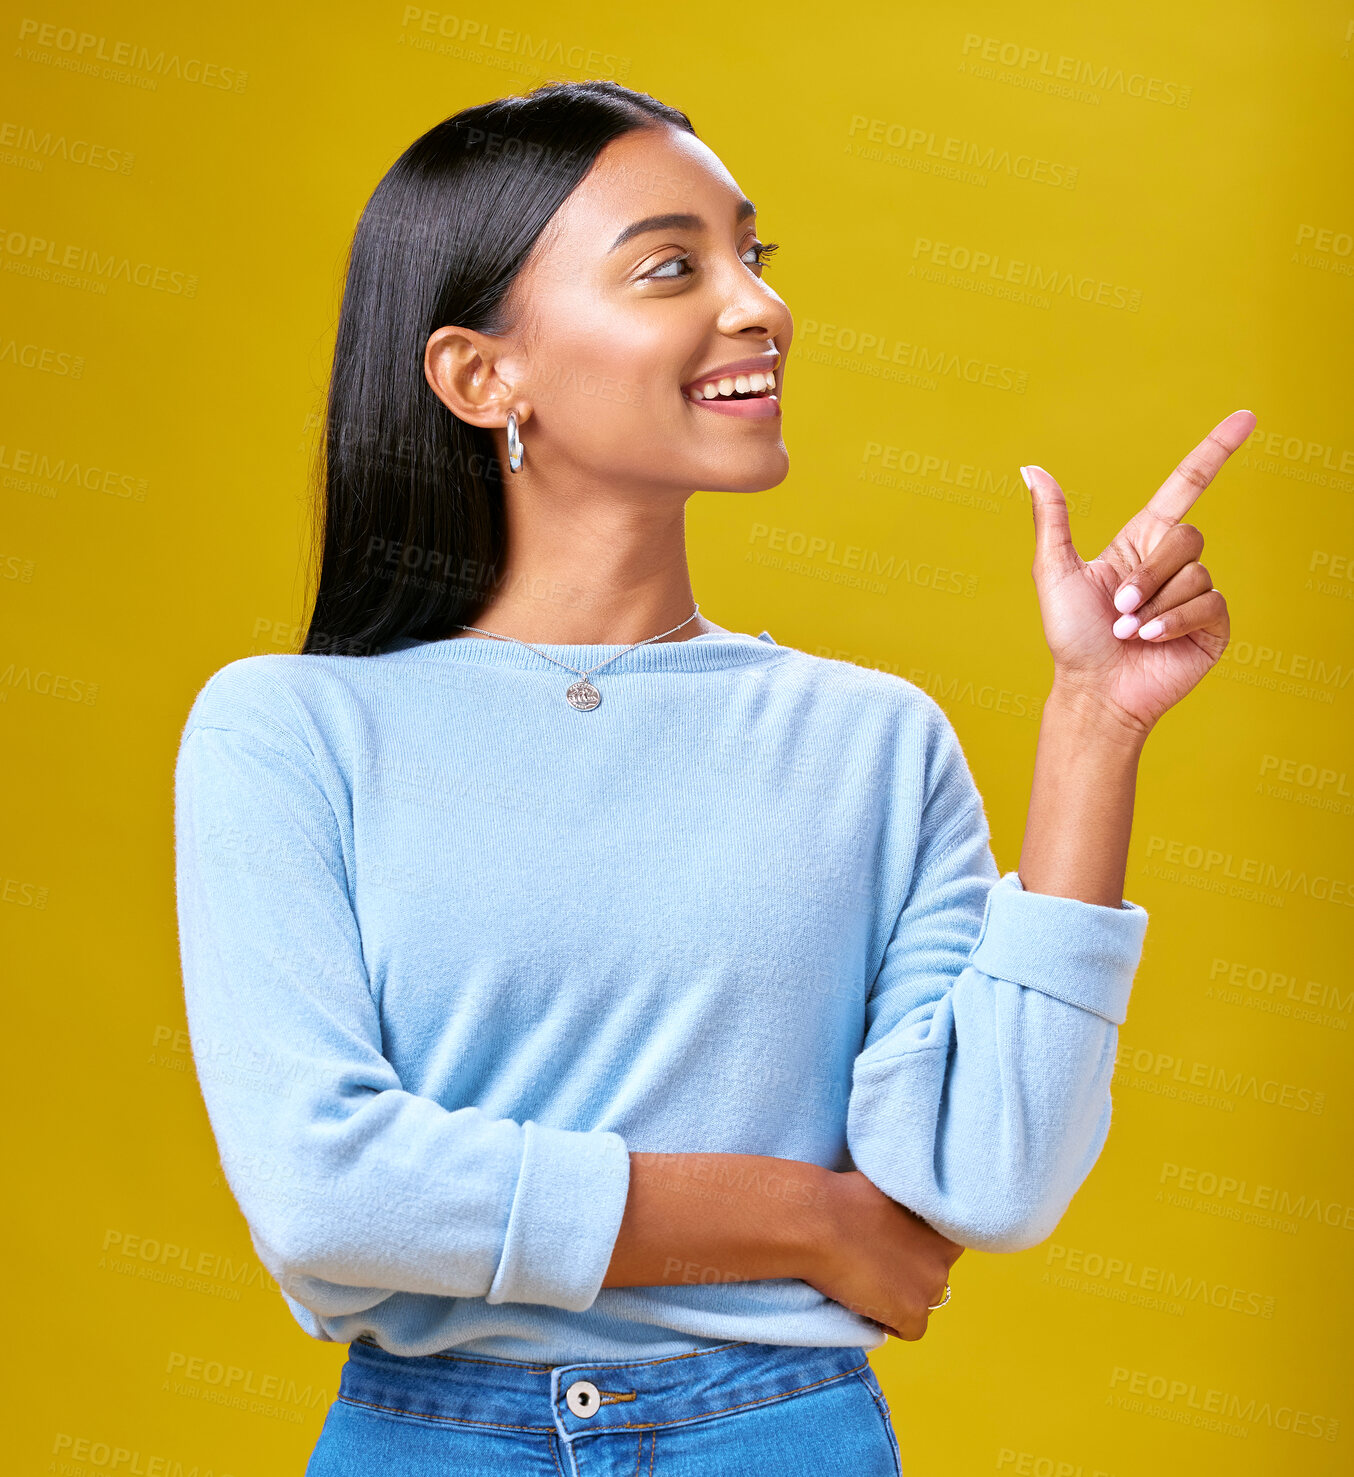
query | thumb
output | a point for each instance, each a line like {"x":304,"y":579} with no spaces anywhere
{"x":1053,"y":547}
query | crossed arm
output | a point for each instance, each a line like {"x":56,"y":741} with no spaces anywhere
{"x":847,"y":1237}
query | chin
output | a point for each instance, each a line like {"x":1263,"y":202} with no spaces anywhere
{"x":762,"y":475}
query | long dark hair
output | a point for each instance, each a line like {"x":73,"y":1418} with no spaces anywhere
{"x":408,"y":497}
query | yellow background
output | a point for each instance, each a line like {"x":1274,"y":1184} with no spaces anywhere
{"x":155,"y":445}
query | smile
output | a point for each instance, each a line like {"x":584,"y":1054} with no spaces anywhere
{"x":738,"y":390}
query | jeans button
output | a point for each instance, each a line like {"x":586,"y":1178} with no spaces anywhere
{"x":582,"y":1398}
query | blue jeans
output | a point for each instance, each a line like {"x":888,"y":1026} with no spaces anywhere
{"x":729,"y":1411}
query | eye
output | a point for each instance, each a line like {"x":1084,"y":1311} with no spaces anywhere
{"x":762,"y":251}
{"x":661,"y":274}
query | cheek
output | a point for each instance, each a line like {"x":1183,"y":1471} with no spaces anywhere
{"x":610,"y":379}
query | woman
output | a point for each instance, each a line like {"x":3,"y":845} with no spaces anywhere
{"x":613,"y":1025}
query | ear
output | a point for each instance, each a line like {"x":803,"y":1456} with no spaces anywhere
{"x":473,"y":375}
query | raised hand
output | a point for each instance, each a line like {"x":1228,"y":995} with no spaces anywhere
{"x":1140,"y":624}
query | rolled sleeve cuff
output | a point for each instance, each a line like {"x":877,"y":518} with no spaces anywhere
{"x":565,"y":1216}
{"x":1083,"y":953}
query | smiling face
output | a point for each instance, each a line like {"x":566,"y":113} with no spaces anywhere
{"x":642,"y":300}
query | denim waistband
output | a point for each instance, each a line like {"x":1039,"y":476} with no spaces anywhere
{"x":587,"y":1399}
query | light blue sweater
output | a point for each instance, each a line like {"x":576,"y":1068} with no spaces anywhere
{"x":451,"y":948}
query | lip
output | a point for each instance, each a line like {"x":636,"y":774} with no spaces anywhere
{"x":767,"y":407}
{"x":764,"y":408}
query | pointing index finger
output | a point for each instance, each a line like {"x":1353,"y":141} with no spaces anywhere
{"x":1178,"y":493}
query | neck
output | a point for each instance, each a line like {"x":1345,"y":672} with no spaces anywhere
{"x":591,"y":572}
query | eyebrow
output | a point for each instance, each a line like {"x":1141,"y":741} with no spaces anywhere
{"x":678,"y":220}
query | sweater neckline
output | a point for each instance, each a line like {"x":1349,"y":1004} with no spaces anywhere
{"x":712,"y":651}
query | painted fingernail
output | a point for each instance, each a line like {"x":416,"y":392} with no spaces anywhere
{"x":1025,"y":477}
{"x":1152,"y":628}
{"x":1126,"y":625}
{"x":1129,"y":598}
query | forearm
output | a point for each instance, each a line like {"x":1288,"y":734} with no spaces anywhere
{"x":719,"y":1218}
{"x":1081,"y":801}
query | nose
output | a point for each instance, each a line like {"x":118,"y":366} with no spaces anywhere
{"x":754,"y":310}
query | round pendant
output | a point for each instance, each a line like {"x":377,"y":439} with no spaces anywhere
{"x":583,"y":696}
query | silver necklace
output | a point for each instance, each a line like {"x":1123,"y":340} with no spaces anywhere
{"x":582,"y":694}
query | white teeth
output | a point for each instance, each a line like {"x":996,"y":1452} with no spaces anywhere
{"x":754,"y":383}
